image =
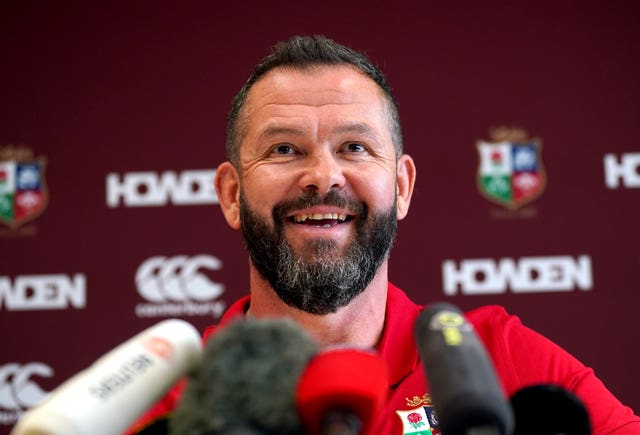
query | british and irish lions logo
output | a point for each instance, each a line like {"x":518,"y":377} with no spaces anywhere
{"x":510,"y":172}
{"x":420,"y":418}
{"x":23,"y":190}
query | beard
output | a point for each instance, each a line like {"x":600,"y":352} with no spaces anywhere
{"x":318,"y":280}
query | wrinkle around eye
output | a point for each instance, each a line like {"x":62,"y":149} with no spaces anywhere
{"x":250,"y":166}
{"x":366,"y":153}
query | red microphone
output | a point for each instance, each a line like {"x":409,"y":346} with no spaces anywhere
{"x":341,"y":391}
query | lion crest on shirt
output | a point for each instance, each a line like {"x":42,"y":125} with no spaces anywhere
{"x":420,"y":418}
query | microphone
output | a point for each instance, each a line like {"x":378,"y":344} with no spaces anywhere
{"x":340,"y":392}
{"x":547,"y":409}
{"x":107,"y":397}
{"x":247,"y":381}
{"x":464,"y":387}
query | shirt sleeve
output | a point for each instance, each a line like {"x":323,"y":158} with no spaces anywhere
{"x":523,"y":357}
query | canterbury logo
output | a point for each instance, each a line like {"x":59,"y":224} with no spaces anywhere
{"x":178,"y":279}
{"x":17,"y":390}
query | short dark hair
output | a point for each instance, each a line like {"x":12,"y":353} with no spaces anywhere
{"x":303,"y":52}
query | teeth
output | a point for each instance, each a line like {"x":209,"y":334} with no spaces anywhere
{"x":320,"y":216}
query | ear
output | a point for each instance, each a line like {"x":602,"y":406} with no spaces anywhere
{"x":405,"y":181}
{"x":227,"y":184}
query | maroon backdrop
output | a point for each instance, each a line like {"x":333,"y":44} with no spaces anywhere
{"x":113,"y":121}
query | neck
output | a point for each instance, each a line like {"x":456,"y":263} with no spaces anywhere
{"x":358,"y":324}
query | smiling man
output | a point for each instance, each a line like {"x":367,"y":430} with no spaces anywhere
{"x":316,"y":180}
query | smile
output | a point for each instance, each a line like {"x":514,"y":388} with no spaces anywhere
{"x":325,"y":220}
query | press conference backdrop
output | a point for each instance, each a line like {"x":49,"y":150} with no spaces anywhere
{"x":522,"y":120}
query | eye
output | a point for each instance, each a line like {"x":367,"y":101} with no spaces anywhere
{"x":283,"y":149}
{"x":354,"y":147}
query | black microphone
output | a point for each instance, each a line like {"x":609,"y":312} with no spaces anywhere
{"x":247,"y":381}
{"x":547,"y":409}
{"x":464,"y":387}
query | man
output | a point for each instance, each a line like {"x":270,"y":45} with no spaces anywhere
{"x":316,"y":181}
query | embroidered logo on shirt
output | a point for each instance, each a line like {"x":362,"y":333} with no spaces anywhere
{"x":421,"y":419}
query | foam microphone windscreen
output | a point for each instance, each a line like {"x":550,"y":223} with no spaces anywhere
{"x":547,"y":409}
{"x":342,"y":388}
{"x":247,"y":380}
{"x":463,"y":384}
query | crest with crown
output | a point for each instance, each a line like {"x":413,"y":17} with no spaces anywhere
{"x":23,"y":190}
{"x":510,"y":170}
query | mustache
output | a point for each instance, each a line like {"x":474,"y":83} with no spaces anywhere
{"x":310,"y":199}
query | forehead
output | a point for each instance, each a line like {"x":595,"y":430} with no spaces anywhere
{"x":339,"y":79}
{"x":317,"y":91}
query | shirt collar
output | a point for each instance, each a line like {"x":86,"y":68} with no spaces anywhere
{"x":397,"y":346}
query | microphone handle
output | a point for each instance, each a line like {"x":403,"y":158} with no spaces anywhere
{"x":341,"y":422}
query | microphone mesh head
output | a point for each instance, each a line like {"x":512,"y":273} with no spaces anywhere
{"x":247,"y":380}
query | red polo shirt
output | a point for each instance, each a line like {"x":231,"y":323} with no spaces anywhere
{"x":521,"y":357}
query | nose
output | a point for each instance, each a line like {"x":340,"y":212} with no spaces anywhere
{"x":322,"y":173}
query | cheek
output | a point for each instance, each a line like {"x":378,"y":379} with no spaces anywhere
{"x":376,"y":191}
{"x":263,"y":191}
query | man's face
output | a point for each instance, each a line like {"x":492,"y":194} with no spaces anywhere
{"x":317,"y":184}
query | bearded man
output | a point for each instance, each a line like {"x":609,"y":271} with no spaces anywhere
{"x":317,"y":180}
